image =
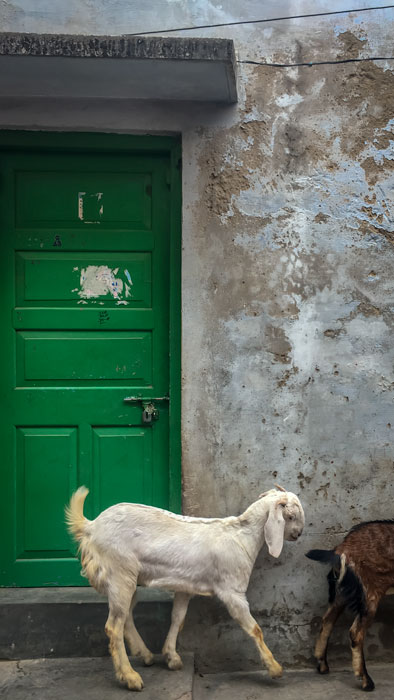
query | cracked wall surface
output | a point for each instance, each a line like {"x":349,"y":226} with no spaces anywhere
{"x":287,"y":286}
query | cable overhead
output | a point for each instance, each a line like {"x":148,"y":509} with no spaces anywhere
{"x":261,"y":21}
{"x":317,"y":63}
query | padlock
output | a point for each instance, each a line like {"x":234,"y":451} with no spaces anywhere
{"x":147,"y":413}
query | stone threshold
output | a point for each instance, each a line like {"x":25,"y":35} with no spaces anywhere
{"x":73,"y":594}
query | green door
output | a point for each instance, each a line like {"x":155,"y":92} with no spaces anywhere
{"x":86,"y":314}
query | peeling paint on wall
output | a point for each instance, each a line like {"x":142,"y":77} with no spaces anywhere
{"x":296,"y":328}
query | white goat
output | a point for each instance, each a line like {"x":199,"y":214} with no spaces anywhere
{"x":130,"y":544}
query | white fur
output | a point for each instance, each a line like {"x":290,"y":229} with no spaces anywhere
{"x":130,"y":544}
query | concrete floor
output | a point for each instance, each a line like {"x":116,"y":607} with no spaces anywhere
{"x":90,"y":679}
{"x":93,"y":679}
{"x":294,"y":685}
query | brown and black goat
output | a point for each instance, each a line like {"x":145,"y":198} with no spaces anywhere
{"x":362,"y":573}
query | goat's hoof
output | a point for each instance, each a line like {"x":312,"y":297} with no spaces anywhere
{"x":276,"y":670}
{"x":322,"y":668}
{"x":174,"y":663}
{"x":134,"y":682}
{"x":149,"y":659}
{"x":369,"y":684}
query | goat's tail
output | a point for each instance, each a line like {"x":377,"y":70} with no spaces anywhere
{"x":75,"y":519}
{"x":325,"y":556}
{"x":341,"y":579}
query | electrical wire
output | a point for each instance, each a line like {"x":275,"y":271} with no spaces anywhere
{"x":261,"y":21}
{"x":318,"y":63}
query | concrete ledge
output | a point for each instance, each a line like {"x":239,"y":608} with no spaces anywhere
{"x":83,"y":46}
{"x":61,"y":622}
{"x":77,"y":594}
{"x":154,"y":68}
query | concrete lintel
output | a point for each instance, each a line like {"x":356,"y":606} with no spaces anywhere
{"x":155,"y":68}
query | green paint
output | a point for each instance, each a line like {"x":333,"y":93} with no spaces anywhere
{"x":90,"y":307}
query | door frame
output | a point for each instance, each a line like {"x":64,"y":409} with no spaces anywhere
{"x":171,"y":147}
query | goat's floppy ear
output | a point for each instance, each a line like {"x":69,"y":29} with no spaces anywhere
{"x":274,"y":528}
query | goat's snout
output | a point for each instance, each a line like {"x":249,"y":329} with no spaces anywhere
{"x":295,"y":535}
{"x":295,"y":530}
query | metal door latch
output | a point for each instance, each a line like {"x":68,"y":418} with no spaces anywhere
{"x":149,"y":411}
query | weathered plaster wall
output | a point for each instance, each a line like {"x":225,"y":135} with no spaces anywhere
{"x":288,"y":295}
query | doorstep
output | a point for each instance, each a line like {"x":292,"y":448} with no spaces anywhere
{"x":62,"y":622}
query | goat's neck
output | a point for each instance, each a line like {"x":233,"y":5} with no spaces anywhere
{"x":251,"y":533}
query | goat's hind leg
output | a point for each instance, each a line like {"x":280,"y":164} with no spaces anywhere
{"x":328,"y":622}
{"x":238,"y":607}
{"x":357,"y":636}
{"x":119,"y":604}
{"x":133,"y":638}
{"x":178,"y":614}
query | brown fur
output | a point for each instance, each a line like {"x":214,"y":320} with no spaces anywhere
{"x":369,"y":550}
{"x":367,"y":570}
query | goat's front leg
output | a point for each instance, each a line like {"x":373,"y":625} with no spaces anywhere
{"x":328,"y":622}
{"x":178,"y":614}
{"x":357,"y":636}
{"x":238,"y":607}
{"x":119,"y":603}
{"x":134,"y":640}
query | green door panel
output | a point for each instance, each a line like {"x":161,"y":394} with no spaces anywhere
{"x":46,"y":470}
{"x":74,"y":199}
{"x":105,"y":278}
{"x":122,"y":456}
{"x":44,"y":357}
{"x":90,"y":314}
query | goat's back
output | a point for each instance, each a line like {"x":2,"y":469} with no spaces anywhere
{"x":369,"y":551}
{"x":371,"y":543}
{"x":156,"y":533}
